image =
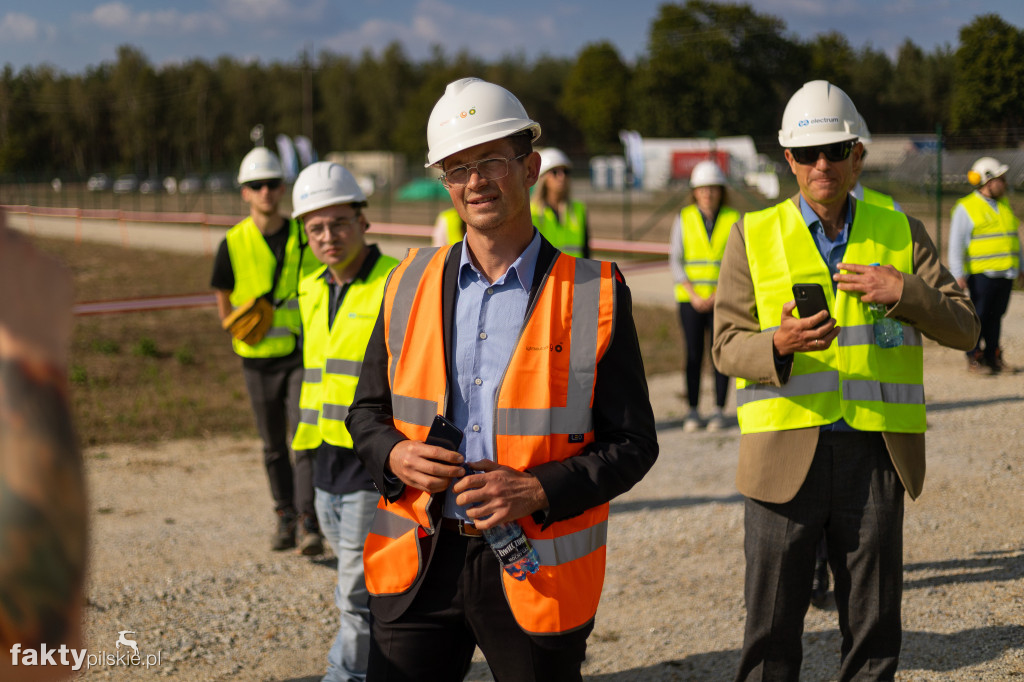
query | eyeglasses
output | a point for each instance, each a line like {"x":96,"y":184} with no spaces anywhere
{"x":837,"y":151}
{"x":257,"y":185}
{"x":320,"y":230}
{"x":488,"y":169}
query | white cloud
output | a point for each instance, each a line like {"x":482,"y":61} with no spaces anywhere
{"x":117,"y":16}
{"x":282,"y":11}
{"x":20,"y":27}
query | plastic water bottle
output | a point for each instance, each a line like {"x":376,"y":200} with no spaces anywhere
{"x":888,"y":332}
{"x":513,"y":549}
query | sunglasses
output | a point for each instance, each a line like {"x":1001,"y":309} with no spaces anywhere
{"x":258,"y":185}
{"x":837,"y":151}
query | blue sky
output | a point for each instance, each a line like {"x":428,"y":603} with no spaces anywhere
{"x":74,"y":34}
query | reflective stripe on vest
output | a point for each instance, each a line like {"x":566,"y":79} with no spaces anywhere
{"x":455,"y":229}
{"x":542,"y":414}
{"x":566,"y":235}
{"x":254,"y":264}
{"x":333,"y":355}
{"x":872,"y":388}
{"x":703,"y":255}
{"x":878,"y":199}
{"x":995,"y":240}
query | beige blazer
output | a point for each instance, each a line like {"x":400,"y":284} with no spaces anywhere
{"x":773,"y":465}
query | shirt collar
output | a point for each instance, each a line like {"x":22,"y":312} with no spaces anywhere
{"x":364,"y":270}
{"x":522,"y":269}
{"x":813,"y":222}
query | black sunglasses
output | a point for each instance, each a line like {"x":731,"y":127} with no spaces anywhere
{"x":257,"y":185}
{"x":837,"y":151}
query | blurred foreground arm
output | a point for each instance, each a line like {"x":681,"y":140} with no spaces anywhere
{"x":43,"y":539}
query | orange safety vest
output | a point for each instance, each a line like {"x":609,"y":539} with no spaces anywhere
{"x":543,"y":413}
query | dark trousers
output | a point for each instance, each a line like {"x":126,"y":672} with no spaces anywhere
{"x":695,"y":327}
{"x":853,"y":495}
{"x":275,"y":404}
{"x":459,"y":606}
{"x":991,"y":297}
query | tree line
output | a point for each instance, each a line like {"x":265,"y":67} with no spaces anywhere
{"x":710,"y":69}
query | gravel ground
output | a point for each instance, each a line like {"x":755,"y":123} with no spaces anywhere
{"x":180,"y":555}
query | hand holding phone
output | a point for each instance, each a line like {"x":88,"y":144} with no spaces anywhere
{"x":810,"y":299}
{"x":800,"y":335}
{"x":420,"y":465}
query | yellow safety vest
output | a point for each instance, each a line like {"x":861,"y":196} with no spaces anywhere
{"x":542,"y":413}
{"x":872,"y":388}
{"x":568,"y":235}
{"x":703,"y":254}
{"x":454,"y":227}
{"x":878,"y":199}
{"x":995,"y":241}
{"x":254,"y":264}
{"x":332,"y":356}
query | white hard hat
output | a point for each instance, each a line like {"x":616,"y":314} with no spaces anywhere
{"x":471,"y":112}
{"x":862,"y":132}
{"x":322,"y":184}
{"x":553,"y":158}
{"x":707,"y":174}
{"x":984,"y":169}
{"x":260,"y":164}
{"x":818,"y":113}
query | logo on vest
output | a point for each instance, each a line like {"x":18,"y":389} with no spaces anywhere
{"x":553,"y":347}
{"x":575,"y":437}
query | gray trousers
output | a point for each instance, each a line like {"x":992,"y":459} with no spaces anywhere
{"x":275,"y":404}
{"x":853,"y":495}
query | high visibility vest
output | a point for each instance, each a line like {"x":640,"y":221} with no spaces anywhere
{"x":703,"y":254}
{"x":454,"y":227}
{"x":995,"y":241}
{"x":332,"y":356}
{"x":542,"y":413}
{"x":254,"y":264}
{"x":568,"y":235}
{"x":878,"y":199}
{"x":872,"y":388}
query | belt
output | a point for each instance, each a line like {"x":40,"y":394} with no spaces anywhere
{"x":464,"y":528}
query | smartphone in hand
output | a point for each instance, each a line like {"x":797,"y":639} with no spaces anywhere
{"x":810,"y":299}
{"x":444,"y":434}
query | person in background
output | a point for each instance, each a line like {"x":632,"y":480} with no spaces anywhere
{"x":43,"y":510}
{"x":985,"y":257}
{"x":831,"y":411}
{"x":338,"y":304}
{"x":561,"y":220}
{"x":448,"y":229}
{"x":265,"y":256}
{"x":696,"y":243}
{"x":533,"y":354}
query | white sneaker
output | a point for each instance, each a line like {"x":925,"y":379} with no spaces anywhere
{"x":716,"y":423}
{"x":691,"y":423}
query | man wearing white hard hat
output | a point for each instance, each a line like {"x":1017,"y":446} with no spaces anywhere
{"x":338,"y":304}
{"x":260,"y":262}
{"x":985,"y":257}
{"x":502,"y":392}
{"x":561,"y":220}
{"x":830,"y":403}
{"x":696,"y":244}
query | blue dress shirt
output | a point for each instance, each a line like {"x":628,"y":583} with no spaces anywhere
{"x":488,"y":320}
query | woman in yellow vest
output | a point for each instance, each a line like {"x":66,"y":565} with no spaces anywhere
{"x":562,"y":221}
{"x":697,"y":242}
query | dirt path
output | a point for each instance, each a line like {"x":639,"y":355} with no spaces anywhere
{"x":180,"y":535}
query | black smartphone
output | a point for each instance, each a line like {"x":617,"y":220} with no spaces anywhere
{"x":444,"y":434}
{"x":810,"y":299}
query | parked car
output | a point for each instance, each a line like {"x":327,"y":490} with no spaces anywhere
{"x":126,"y":183}
{"x":220,"y":182}
{"x":151,"y":185}
{"x":190,"y":184}
{"x":98,"y":182}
